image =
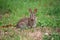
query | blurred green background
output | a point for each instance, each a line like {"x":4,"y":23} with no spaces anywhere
{"x":48,"y":14}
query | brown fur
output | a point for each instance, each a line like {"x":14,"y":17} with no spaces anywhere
{"x":28,"y":22}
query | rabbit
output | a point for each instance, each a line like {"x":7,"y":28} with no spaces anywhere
{"x":28,"y":21}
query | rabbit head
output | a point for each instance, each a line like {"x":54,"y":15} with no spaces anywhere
{"x":32,"y":14}
{"x":32,"y":18}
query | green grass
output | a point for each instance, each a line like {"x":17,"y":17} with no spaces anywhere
{"x":47,"y":14}
{"x":12,"y":11}
{"x":53,"y":36}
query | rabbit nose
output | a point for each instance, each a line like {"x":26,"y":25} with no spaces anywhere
{"x":32,"y":19}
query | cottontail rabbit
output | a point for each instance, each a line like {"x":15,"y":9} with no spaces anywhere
{"x":28,"y":22}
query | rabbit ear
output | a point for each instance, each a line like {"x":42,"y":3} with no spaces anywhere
{"x":35,"y":10}
{"x":30,"y":10}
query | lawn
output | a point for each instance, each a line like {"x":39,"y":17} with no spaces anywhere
{"x":38,"y":33}
{"x":48,"y":19}
{"x":48,"y":11}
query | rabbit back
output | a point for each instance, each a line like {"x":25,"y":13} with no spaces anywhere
{"x":22,"y":23}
